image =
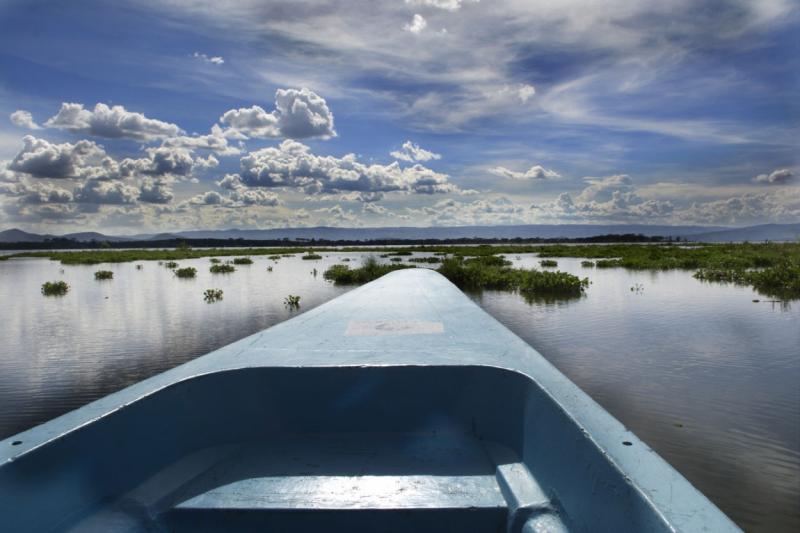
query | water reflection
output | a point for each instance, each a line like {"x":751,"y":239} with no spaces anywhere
{"x":703,"y":373}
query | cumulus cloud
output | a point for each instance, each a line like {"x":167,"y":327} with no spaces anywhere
{"x":164,"y":160}
{"x":413,"y":152}
{"x":447,"y":5}
{"x":102,"y":191}
{"x":43,"y":159}
{"x":111,"y":122}
{"x":776,"y":177}
{"x":155,"y":191}
{"x":23,"y":119}
{"x":298,"y":114}
{"x":292,"y":164}
{"x":216,"y":142}
{"x":536,"y":172}
{"x":417,"y":24}
{"x":215,"y":60}
{"x":610,"y":198}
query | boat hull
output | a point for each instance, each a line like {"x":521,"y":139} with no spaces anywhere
{"x":398,"y":406}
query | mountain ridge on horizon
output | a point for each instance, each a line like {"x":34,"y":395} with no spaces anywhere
{"x":777,"y":232}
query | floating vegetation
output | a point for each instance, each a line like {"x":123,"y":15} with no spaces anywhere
{"x":485,"y":273}
{"x":212,"y":295}
{"x":424,"y":260}
{"x":222,"y":269}
{"x":396,"y":259}
{"x":242,"y":261}
{"x":311,"y":256}
{"x":287,"y":255}
{"x":292,"y":301}
{"x":369,"y":270}
{"x":587,"y":264}
{"x":638,"y":288}
{"x":55,"y":288}
{"x":274,"y":257}
{"x":314,"y":272}
{"x":171,"y":264}
{"x":401,"y":252}
{"x":269,"y":269}
{"x":138,"y":267}
{"x":215,"y":260}
{"x":103,"y":274}
{"x":780,"y":281}
{"x":346,"y":260}
{"x":188,"y":272}
{"x":548,"y":263}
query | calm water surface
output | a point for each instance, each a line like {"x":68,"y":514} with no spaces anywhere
{"x":705,"y":376}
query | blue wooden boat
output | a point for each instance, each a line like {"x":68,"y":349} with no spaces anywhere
{"x":399,"y":406}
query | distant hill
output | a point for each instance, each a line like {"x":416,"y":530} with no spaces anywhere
{"x":17,"y":235}
{"x":764,"y":232}
{"x":773,"y":232}
{"x":569,"y":231}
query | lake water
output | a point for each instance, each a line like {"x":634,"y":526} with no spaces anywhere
{"x":707,"y":377}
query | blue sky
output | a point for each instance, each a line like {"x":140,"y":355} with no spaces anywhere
{"x":137,"y":116}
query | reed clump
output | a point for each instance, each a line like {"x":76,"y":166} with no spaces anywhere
{"x":55,"y":288}
{"x":212,"y":295}
{"x":548,"y":263}
{"x":222,"y":269}
{"x":187,"y":272}
{"x":369,"y":270}
{"x":485,"y":273}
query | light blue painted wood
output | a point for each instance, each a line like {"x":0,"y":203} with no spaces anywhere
{"x":398,"y":406}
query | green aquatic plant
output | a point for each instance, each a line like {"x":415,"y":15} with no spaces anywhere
{"x":548,"y":263}
{"x":396,"y":259}
{"x":222,"y":269}
{"x":311,"y":256}
{"x":103,"y":274}
{"x":274,"y":257}
{"x":424,"y":260}
{"x":488,"y":274}
{"x":55,"y":288}
{"x":292,"y":301}
{"x":781,"y":281}
{"x":212,"y":295}
{"x":401,"y":252}
{"x":369,"y":270}
{"x":139,"y":267}
{"x":171,"y":264}
{"x":269,"y":269}
{"x":587,"y":264}
{"x":242,"y":261}
{"x":215,"y":260}
{"x":187,"y":272}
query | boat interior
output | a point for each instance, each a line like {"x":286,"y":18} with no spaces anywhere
{"x":362,"y":448}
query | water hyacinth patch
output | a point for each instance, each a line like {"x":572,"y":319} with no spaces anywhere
{"x":310,"y":256}
{"x":215,"y":260}
{"x":171,"y":264}
{"x":242,"y":261}
{"x":292,"y":301}
{"x":212,"y":295}
{"x":548,"y":263}
{"x":222,"y":269}
{"x":103,"y":274}
{"x":187,"y":272}
{"x":55,"y":288}
{"x":369,"y":270}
